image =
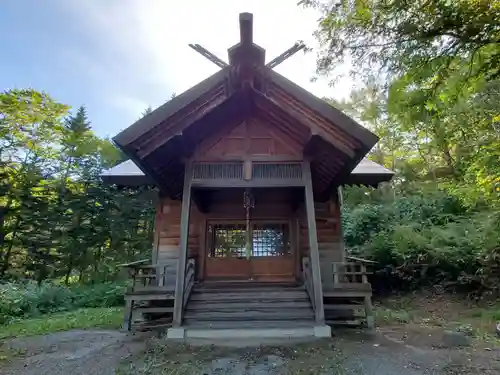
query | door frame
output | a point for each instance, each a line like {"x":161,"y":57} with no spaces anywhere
{"x":292,"y":238}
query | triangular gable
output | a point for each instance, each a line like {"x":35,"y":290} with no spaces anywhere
{"x":252,"y":138}
{"x":162,"y":141}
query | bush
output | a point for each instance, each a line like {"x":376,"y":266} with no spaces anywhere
{"x":28,"y":299}
{"x":424,"y":240}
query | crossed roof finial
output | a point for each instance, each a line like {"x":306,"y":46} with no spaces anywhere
{"x":246,"y":48}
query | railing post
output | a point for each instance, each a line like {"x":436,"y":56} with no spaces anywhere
{"x":183,"y":246}
{"x":335,"y":273}
{"x":364,"y":277}
{"x":313,"y":244}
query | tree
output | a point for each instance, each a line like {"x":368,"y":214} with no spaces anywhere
{"x":57,"y":218}
{"x":430,"y":40}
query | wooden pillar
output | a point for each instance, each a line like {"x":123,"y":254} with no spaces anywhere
{"x":183,"y":246}
{"x":158,"y":204}
{"x":313,"y":244}
{"x":340,"y":200}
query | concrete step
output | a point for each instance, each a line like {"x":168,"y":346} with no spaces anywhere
{"x":248,"y":333}
{"x":259,"y":331}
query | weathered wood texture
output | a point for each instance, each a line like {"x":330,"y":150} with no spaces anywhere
{"x":231,"y":305}
{"x":169,"y":235}
{"x":253,"y":137}
{"x":330,"y":242}
{"x":313,"y":243}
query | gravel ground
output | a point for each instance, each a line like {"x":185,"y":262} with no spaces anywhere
{"x":103,"y":352}
{"x":73,"y":352}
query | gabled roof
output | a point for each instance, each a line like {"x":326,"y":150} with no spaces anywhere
{"x":160,"y":142}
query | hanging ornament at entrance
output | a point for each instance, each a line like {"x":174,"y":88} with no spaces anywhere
{"x":248,"y":204}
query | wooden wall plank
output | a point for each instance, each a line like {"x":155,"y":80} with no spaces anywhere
{"x":254,"y":138}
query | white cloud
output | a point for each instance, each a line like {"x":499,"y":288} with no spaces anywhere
{"x":144,"y":44}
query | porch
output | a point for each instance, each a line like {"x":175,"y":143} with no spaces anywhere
{"x":248,"y":222}
{"x":258,"y":308}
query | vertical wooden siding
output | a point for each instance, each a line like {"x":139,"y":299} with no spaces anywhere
{"x":252,"y":137}
{"x":330,"y":242}
{"x":169,"y":235}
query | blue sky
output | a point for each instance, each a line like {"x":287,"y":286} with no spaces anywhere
{"x":116,"y":57}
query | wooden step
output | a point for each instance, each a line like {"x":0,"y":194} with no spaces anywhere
{"x":247,"y":284}
{"x":246,"y":289}
{"x":148,"y":297}
{"x":247,"y":315}
{"x":154,"y":309}
{"x":230,"y":305}
{"x":334,"y":306}
{"x":256,"y":296}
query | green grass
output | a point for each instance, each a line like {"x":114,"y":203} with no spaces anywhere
{"x":108,"y":317}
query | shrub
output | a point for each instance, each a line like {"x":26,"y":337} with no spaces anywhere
{"x":423,"y":240}
{"x":27,"y":299}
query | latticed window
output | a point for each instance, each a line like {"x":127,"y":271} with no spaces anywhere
{"x":267,"y":240}
{"x":228,"y":240}
{"x":270,"y":240}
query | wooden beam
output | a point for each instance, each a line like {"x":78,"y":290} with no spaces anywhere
{"x":285,"y":55}
{"x":287,"y":110}
{"x":271,"y":182}
{"x":340,"y":201}
{"x":181,"y":120}
{"x":313,"y":244}
{"x":342,"y":175}
{"x":157,"y":227}
{"x":209,"y":55}
{"x":246,"y":29}
{"x":183,"y":246}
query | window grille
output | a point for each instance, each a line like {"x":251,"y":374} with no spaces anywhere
{"x":270,"y":240}
{"x":232,"y":171}
{"x":276,"y":171}
{"x":228,"y":240}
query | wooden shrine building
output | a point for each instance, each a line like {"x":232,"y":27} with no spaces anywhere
{"x":248,"y":238}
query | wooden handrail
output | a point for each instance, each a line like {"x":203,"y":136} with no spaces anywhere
{"x":188,"y":281}
{"x":360,"y":260}
{"x":146,"y":276}
{"x":349,"y":272}
{"x":134,"y":264}
{"x":308,"y":282}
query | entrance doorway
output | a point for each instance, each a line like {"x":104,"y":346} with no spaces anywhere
{"x":262,"y":254}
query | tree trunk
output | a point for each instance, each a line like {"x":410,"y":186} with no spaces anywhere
{"x":69,"y":270}
{"x":6,"y":258}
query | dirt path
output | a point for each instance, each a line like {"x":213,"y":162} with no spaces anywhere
{"x":389,"y":352}
{"x":73,"y":352}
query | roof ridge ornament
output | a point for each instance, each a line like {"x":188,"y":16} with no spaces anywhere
{"x":236,"y":56}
